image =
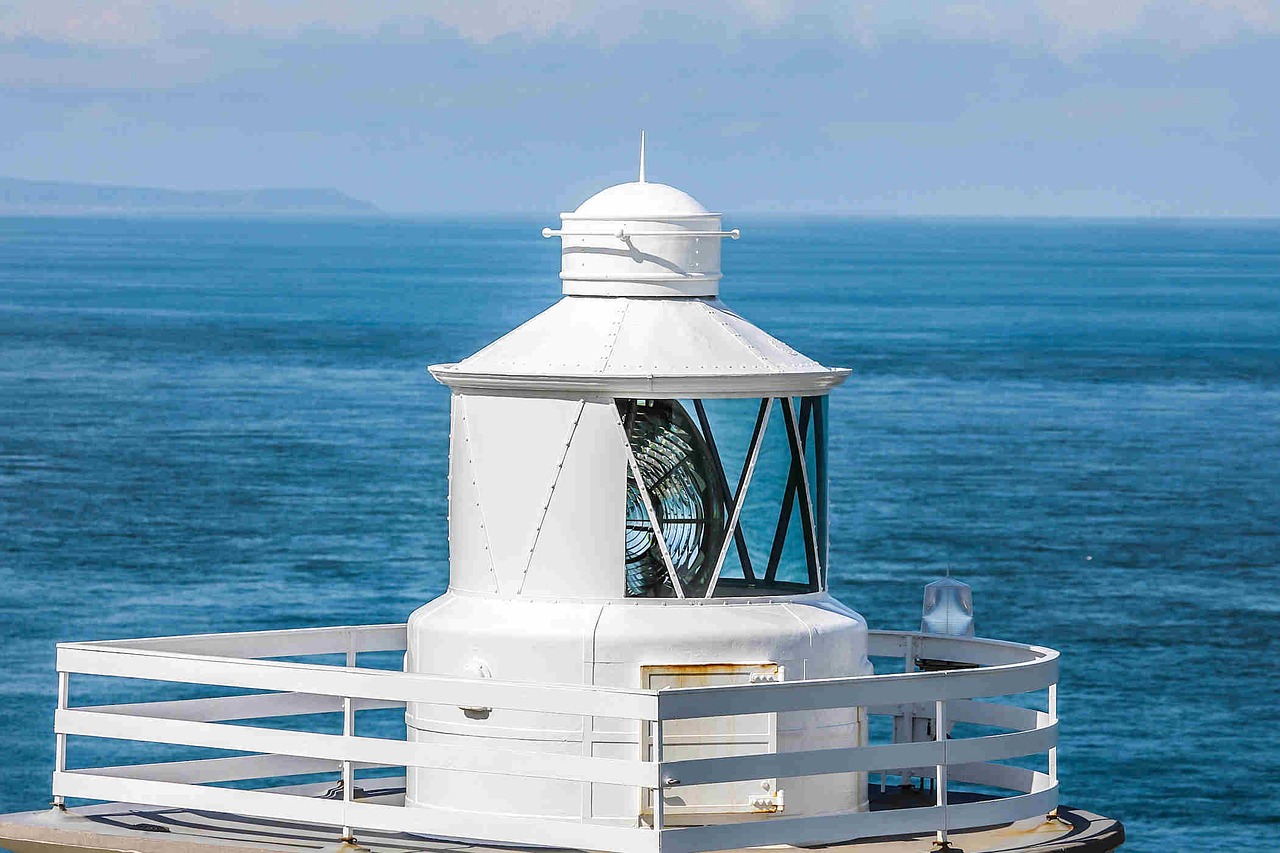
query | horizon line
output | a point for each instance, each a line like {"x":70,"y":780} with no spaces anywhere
{"x":382,"y":214}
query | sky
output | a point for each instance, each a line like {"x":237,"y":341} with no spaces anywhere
{"x":885,"y":107}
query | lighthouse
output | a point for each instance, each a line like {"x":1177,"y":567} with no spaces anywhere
{"x":637,"y":499}
{"x":637,"y":651}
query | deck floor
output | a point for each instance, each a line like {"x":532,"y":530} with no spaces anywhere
{"x":125,"y":828}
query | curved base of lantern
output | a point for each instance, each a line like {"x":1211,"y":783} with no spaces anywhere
{"x":650,"y":644}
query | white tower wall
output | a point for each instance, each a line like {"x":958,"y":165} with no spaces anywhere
{"x":537,"y":497}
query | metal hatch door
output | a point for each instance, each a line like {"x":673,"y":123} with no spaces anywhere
{"x":713,"y":737}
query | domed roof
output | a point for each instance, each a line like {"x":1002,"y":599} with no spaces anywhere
{"x":639,"y":200}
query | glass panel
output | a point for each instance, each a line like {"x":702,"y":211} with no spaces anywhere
{"x":760,"y":506}
{"x":692,"y":456}
{"x":791,"y":558}
{"x":680,"y":475}
{"x":729,"y":426}
{"x":763,"y":515}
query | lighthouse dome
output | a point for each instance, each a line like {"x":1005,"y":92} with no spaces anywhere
{"x":639,"y":200}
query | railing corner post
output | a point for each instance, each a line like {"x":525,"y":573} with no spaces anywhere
{"x":348,"y":770}
{"x":1053,"y":750}
{"x":60,"y":740}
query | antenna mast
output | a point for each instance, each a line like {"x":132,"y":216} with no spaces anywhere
{"x":642,"y":156}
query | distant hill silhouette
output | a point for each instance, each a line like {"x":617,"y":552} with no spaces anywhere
{"x":53,"y":197}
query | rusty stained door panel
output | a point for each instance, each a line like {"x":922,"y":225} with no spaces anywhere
{"x":713,"y":737}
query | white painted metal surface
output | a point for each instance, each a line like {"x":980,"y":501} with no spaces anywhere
{"x":536,"y":497}
{"x":632,"y":347}
{"x":224,"y":660}
{"x":610,"y":643}
{"x":640,"y":239}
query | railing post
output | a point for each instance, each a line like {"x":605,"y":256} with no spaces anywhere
{"x":348,"y":770}
{"x":659,"y":807}
{"x":940,"y":779}
{"x":348,"y":730}
{"x":1053,"y":750}
{"x":60,"y":739}
{"x":908,"y":718}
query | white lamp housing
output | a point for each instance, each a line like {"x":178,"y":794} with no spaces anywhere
{"x":948,"y":608}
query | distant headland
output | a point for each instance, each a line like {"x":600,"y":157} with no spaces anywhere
{"x":18,"y":196}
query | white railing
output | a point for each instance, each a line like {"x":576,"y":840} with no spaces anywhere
{"x":237,"y":661}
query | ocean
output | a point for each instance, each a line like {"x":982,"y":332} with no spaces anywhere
{"x":219,"y":425}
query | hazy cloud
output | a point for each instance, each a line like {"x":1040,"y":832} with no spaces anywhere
{"x":1059,"y":26}
{"x":906,"y":106}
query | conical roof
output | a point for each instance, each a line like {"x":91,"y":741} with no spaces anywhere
{"x":639,"y":347}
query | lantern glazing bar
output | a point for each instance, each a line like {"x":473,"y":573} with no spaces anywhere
{"x":794,"y":481}
{"x":796,"y":438}
{"x":732,"y":500}
{"x":740,"y":496}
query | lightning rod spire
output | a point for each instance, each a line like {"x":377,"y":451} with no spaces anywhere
{"x":642,"y":156}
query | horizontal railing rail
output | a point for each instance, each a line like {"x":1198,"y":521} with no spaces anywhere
{"x":974,"y":669}
{"x":323,"y":680}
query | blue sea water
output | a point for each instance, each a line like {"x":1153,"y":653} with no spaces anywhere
{"x":211,"y":425}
